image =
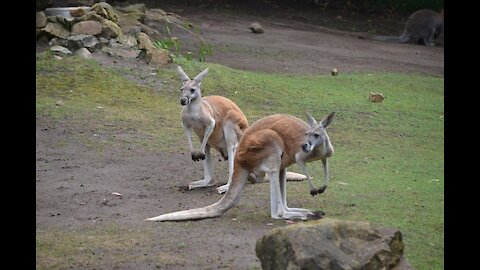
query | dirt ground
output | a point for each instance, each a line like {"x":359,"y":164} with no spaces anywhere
{"x":74,"y":185}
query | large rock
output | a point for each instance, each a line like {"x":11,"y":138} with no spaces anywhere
{"x":144,"y":41}
{"x":332,"y":244}
{"x":56,"y":30}
{"x":83,"y":41}
{"x":158,"y":57}
{"x":105,"y":10}
{"x":87,"y":28}
{"x":84,"y":53}
{"x":41,"y":19}
{"x":110,"y":29}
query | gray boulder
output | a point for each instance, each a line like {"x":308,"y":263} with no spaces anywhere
{"x":83,"y":41}
{"x":60,"y":50}
{"x":332,"y":244}
{"x":84,"y":53}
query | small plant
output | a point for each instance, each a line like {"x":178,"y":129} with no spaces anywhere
{"x":172,"y":44}
{"x":168,"y":43}
{"x":204,"y":50}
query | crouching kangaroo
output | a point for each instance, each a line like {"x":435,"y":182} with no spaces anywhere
{"x":422,"y":27}
{"x":270,"y":145}
{"x":217,"y":121}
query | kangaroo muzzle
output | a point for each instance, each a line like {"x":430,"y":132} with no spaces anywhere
{"x":307,"y":147}
{"x":184,"y":101}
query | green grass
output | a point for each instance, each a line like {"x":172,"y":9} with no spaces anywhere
{"x":388,"y":167}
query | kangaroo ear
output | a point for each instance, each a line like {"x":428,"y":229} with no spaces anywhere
{"x":183,"y":75}
{"x":200,"y":76}
{"x":311,"y":121}
{"x":327,"y":120}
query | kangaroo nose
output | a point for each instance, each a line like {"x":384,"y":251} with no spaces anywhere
{"x":184,"y":101}
{"x":305,"y":147}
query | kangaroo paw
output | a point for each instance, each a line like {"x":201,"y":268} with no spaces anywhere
{"x":196,"y":156}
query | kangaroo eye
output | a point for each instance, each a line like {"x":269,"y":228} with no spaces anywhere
{"x":316,"y":135}
{"x":192,"y":90}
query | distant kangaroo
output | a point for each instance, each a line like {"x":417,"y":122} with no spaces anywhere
{"x":270,"y":145}
{"x":217,"y":121}
{"x":422,"y":27}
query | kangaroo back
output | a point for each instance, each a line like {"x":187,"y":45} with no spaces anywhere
{"x":422,"y":27}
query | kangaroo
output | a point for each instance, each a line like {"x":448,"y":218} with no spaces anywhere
{"x":422,"y":27}
{"x":270,"y":145}
{"x":217,"y":121}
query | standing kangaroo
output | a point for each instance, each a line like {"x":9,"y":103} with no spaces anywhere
{"x":270,"y":145}
{"x":217,"y":121}
{"x":422,"y":27}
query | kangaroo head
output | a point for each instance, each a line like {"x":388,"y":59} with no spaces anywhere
{"x":191,"y":88}
{"x":316,"y":135}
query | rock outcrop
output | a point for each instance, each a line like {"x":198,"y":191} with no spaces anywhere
{"x":92,"y":29}
{"x":332,"y":244}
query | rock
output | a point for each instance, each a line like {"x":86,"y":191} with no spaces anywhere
{"x":105,"y":10}
{"x":121,"y":52}
{"x":110,"y":29}
{"x":144,"y":41}
{"x":60,"y":50}
{"x":334,"y":72}
{"x":56,"y":30}
{"x":90,"y":16}
{"x":157,"y":56}
{"x":87,"y":28}
{"x":127,"y":41}
{"x":41,"y":19}
{"x":331,"y":244}
{"x":84,"y":53}
{"x":256,"y":28}
{"x":376,"y":97}
{"x":67,"y":22}
{"x":136,"y":11}
{"x":78,"y":12}
{"x":83,"y":41}
{"x":58,"y":41}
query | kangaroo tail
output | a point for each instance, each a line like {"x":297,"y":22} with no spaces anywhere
{"x":217,"y":209}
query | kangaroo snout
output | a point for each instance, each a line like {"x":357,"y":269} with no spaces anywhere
{"x":305,"y":147}
{"x":184,"y":101}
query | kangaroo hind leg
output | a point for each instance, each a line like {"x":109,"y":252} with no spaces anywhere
{"x":231,"y":142}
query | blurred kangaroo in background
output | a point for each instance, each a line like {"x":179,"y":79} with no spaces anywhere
{"x":422,"y":27}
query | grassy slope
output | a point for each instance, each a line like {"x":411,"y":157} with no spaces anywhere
{"x":388,"y":167}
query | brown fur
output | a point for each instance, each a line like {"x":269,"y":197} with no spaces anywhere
{"x":269,"y":145}
{"x":222,"y":110}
